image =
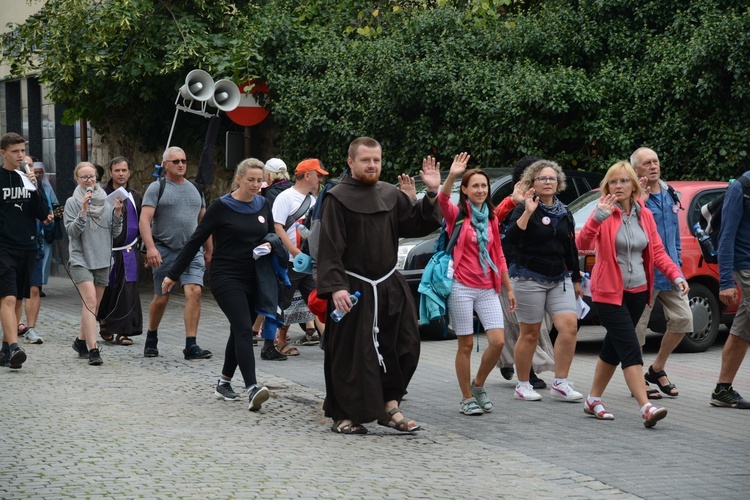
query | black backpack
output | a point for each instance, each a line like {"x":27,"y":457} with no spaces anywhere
{"x":710,"y":220}
{"x":313,"y":222}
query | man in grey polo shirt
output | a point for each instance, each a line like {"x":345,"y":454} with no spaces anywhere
{"x":172,"y":209}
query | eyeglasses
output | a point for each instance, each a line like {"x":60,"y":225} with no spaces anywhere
{"x":624,"y":180}
{"x":87,"y":177}
{"x":181,"y":160}
{"x":551,"y":180}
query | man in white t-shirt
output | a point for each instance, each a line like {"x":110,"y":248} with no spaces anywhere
{"x":289,"y":211}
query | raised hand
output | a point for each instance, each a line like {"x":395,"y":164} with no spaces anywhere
{"x":531,"y":200}
{"x":518,"y":192}
{"x":646,"y":188}
{"x":459,"y":164}
{"x":118,"y":206}
{"x":607,"y":203}
{"x":406,"y":184}
{"x":430,"y":174}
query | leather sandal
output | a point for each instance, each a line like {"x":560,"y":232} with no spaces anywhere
{"x":402,"y":425}
{"x":107,"y":337}
{"x":348,"y":428}
{"x":654,"y":376}
{"x":123,"y":340}
{"x":650,"y":393}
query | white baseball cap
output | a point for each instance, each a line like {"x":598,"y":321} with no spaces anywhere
{"x":275,"y":165}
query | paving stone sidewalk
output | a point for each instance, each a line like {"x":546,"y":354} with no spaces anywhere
{"x":151,"y":428}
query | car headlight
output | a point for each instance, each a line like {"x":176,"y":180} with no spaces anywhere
{"x":403,"y":254}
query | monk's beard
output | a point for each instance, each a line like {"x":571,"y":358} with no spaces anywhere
{"x":369,"y":179}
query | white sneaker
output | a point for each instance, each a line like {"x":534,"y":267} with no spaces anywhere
{"x":527,"y":393}
{"x":31,"y":337}
{"x":565,"y":392}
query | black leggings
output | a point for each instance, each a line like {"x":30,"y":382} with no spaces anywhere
{"x":239,"y":308}
{"x":620,"y":343}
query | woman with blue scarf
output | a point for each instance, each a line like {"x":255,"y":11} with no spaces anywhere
{"x":479,"y":272}
{"x":545,"y":275}
{"x":239,"y":222}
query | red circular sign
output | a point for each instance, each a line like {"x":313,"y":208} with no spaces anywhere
{"x":249,"y":112}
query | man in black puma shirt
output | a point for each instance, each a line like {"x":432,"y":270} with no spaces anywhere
{"x":20,"y":208}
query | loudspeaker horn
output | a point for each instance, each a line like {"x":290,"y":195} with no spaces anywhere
{"x":198,"y":86}
{"x":226,"y":95}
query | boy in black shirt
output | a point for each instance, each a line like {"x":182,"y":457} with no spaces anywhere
{"x":20,"y":208}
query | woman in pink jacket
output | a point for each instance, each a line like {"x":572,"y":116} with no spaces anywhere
{"x":623,"y":232}
{"x":479,"y":273}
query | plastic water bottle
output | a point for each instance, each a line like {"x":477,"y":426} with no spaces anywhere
{"x":336,"y":315}
{"x":704,"y":240}
{"x":302,"y":230}
{"x":585,"y":279}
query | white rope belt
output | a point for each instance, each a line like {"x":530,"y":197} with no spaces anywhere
{"x":375,"y":329}
{"x":128,"y":246}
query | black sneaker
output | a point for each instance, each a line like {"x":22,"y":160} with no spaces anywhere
{"x":81,"y":348}
{"x":150,"y":350}
{"x":258,"y":396}
{"x":535,"y":381}
{"x":272,"y":354}
{"x":225,"y":391}
{"x":4,"y":359}
{"x":17,"y":357}
{"x":95,"y":358}
{"x":728,"y":398}
{"x":507,"y":372}
{"x":195,"y":352}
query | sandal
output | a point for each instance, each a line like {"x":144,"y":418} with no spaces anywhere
{"x":351,"y":428}
{"x":650,"y":393}
{"x":402,"y":425}
{"x":603,"y":414}
{"x":288,"y":350}
{"x":669,"y":388}
{"x":311,"y":337}
{"x":107,"y":337}
{"x":123,"y":340}
{"x":652,"y":415}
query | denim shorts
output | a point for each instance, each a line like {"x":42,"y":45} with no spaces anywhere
{"x":193,"y":275}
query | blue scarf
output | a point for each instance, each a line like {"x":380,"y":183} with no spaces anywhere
{"x":479,"y":223}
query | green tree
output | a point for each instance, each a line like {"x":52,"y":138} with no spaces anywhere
{"x":583,"y":82}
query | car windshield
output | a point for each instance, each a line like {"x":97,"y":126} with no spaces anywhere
{"x":422,"y":189}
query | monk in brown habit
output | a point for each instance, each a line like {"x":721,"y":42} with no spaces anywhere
{"x":372,"y":353}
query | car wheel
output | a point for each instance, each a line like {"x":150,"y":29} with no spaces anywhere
{"x":437,"y":330}
{"x":706,"y":318}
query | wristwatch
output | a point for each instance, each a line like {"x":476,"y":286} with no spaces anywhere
{"x":431,"y":195}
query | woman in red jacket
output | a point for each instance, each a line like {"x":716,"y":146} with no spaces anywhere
{"x":480,"y":272}
{"x":623,"y":232}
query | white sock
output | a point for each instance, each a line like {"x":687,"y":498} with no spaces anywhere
{"x":593,"y":400}
{"x":224,"y":381}
{"x":645,"y":407}
{"x":526,"y":384}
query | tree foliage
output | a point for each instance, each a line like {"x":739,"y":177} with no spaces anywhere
{"x":583,"y":82}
